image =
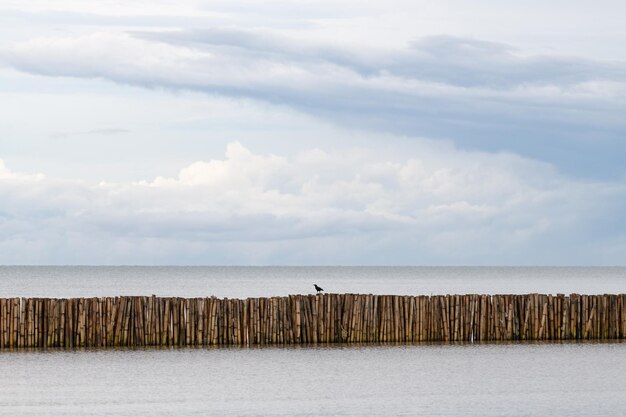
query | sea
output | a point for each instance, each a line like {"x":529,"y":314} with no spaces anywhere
{"x":431,"y":379}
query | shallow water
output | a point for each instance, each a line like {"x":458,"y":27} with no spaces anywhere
{"x":585,"y":379}
{"x":85,"y":281}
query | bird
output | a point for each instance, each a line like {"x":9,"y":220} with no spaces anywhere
{"x":318,"y":288}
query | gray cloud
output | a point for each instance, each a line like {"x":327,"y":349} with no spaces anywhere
{"x":462,"y":62}
{"x":481,"y":95}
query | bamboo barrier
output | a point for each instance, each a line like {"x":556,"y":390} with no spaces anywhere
{"x":322,"y":318}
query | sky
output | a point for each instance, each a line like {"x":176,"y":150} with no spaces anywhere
{"x":312,"y":132}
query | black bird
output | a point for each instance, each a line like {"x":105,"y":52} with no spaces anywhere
{"x":318,"y":288}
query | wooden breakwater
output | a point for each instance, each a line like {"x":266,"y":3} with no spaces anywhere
{"x":324,"y":318}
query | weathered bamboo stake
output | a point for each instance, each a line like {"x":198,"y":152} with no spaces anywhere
{"x":601,"y":317}
{"x":87,"y":324}
{"x":273,"y":320}
{"x":232,"y":320}
{"x":440,"y":324}
{"x":11,"y":322}
{"x":417,"y":318}
{"x":4,"y":322}
{"x":226,"y":323}
{"x":34,"y":325}
{"x":22,"y":321}
{"x":350,"y":319}
{"x":393,"y":318}
{"x":123,"y":327}
{"x":222,"y":321}
{"x":430,"y":311}
{"x":461,"y":312}
{"x":266,"y":321}
{"x":251,"y":312}
{"x":463,"y":304}
{"x":199,"y":308}
{"x":357,"y":318}
{"x":422,"y":318}
{"x":108,"y":320}
{"x":190,"y":317}
{"x":385,"y":325}
{"x":263,"y":321}
{"x":121,"y":320}
{"x":162,"y":322}
{"x":360,"y":318}
{"x":213,"y":321}
{"x":206,"y":320}
{"x":622,"y":314}
{"x":201,"y":321}
{"x":50,"y":320}
{"x":328,"y":336}
{"x":572,"y":316}
{"x":453,"y":317}
{"x":308,"y":319}
{"x":389,"y":318}
{"x":376,"y":318}
{"x":379,"y":313}
{"x":260,"y":321}
{"x":32,"y":322}
{"x":10,"y":330}
{"x":120,"y":308}
{"x":236,"y":323}
{"x":510,"y":313}
{"x":472,"y":313}
{"x":273,"y":304}
{"x":443,"y":320}
{"x":283,"y":326}
{"x":112,"y":338}
{"x":279,"y":320}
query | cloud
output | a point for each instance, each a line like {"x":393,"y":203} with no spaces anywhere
{"x":317,"y":207}
{"x":480,"y":94}
{"x":450,"y":60}
{"x":100,"y":132}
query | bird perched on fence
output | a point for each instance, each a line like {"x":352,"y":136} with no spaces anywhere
{"x":318,"y":288}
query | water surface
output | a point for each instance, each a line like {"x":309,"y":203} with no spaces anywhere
{"x":86,"y":281}
{"x":572,"y":379}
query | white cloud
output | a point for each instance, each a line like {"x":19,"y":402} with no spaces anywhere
{"x":7,"y":175}
{"x":332,"y":207}
{"x":125,"y":58}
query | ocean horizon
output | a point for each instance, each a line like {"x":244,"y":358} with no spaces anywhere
{"x":264,"y":281}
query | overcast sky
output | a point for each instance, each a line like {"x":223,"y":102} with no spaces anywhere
{"x":313,"y":132}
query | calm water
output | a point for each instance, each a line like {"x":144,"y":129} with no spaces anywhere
{"x":435,"y":380}
{"x":267,"y":281}
{"x":571,"y":379}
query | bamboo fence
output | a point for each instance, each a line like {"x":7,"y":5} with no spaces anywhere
{"x":297,"y":319}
